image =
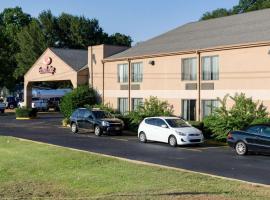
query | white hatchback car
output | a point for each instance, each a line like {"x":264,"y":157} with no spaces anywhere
{"x":172,"y":130}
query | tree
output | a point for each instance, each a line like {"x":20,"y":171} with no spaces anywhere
{"x":12,"y":20}
{"x":50,"y":28}
{"x":243,"y":113}
{"x":220,"y":12}
{"x":120,"y":39}
{"x":242,"y":7}
{"x":31,"y":41}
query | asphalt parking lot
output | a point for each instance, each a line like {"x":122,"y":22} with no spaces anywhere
{"x":216,"y":160}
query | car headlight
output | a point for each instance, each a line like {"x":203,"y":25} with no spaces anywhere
{"x":180,"y":133}
{"x":105,"y":123}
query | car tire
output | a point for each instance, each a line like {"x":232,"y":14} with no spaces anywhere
{"x":142,"y":137}
{"x":97,"y":131}
{"x":11,"y":107}
{"x":241,"y":148}
{"x":74,"y":128}
{"x":172,"y":141}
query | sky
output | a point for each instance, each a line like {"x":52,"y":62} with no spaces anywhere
{"x":141,"y":19}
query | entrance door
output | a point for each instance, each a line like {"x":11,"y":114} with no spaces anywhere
{"x":189,"y":109}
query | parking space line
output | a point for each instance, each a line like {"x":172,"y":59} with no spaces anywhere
{"x":196,"y":150}
{"x":119,"y":139}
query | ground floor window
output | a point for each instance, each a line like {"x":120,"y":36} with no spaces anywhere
{"x":189,"y":109}
{"x":208,"y":106}
{"x":123,"y":105}
{"x":136,"y":102}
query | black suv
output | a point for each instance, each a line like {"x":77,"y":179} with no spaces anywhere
{"x":95,"y":120}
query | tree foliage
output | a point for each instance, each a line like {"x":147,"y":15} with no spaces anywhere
{"x":32,"y":43}
{"x":150,"y":108}
{"x":243,"y":112}
{"x":79,"y":97}
{"x":23,"y":39}
{"x":242,"y":7}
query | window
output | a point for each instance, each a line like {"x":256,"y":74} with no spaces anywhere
{"x":87,"y":114}
{"x":208,"y":106}
{"x":210,"y":68}
{"x":123,"y":105}
{"x":150,"y":121}
{"x":136,"y":102}
{"x":189,"y":109}
{"x":189,"y":69}
{"x":160,"y":122}
{"x":136,"y":72}
{"x":254,"y":129}
{"x":122,"y":73}
{"x":265,"y":130}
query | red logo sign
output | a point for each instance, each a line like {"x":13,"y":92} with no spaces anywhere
{"x":47,"y":60}
{"x":47,"y":68}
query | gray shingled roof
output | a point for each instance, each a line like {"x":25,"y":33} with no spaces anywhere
{"x":236,"y":29}
{"x":75,"y":58}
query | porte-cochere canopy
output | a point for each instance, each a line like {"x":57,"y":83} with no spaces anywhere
{"x":57,"y":65}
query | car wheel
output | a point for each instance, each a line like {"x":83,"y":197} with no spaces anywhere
{"x":97,"y":131}
{"x":74,"y":128}
{"x":142,"y":137}
{"x":172,"y":141}
{"x":241,"y":148}
{"x":11,"y":106}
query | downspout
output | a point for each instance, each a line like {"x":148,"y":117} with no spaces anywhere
{"x":103,"y":82}
{"x":129,"y":85}
{"x":199,"y":86}
{"x":92,"y":73}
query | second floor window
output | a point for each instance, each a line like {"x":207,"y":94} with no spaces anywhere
{"x":136,"y":72}
{"x":123,"y":73}
{"x":189,"y":69}
{"x":210,"y":68}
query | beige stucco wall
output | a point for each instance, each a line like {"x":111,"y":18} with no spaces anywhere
{"x":241,"y":70}
{"x":95,"y":56}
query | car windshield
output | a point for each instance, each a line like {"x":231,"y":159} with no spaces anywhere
{"x":176,"y":123}
{"x":102,"y":114}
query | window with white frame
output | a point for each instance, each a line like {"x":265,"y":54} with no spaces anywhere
{"x":189,"y":69}
{"x":210,"y":68}
{"x":208,"y":106}
{"x":123,"y":105}
{"x":136,"y":72}
{"x":122,"y":73}
{"x":136,"y":102}
{"x":189,"y":109}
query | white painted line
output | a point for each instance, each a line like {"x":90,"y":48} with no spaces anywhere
{"x":148,"y":164}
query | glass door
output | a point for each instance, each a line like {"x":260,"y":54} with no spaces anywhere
{"x":189,"y":109}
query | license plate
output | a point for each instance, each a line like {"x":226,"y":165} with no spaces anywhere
{"x":117,"y":128}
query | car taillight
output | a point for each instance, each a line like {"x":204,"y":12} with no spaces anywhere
{"x":229,"y":136}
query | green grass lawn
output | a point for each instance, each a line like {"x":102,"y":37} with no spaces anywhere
{"x":29,"y":170}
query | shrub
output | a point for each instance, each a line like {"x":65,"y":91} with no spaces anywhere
{"x":243,"y":113}
{"x":150,"y":108}
{"x":65,"y":122}
{"x":79,"y":97}
{"x":26,"y":112}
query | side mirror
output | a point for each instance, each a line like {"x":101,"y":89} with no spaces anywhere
{"x":90,"y":117}
{"x":164,"y":126}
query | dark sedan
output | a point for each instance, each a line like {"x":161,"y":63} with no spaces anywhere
{"x":254,"y":138}
{"x":95,"y":120}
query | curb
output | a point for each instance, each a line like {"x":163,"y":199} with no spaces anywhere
{"x":149,"y":164}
